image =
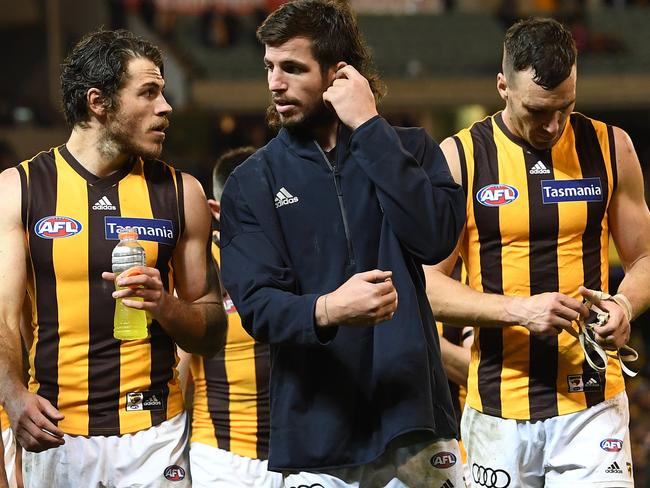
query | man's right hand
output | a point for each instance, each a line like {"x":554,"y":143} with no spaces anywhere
{"x":547,"y":313}
{"x":366,"y":299}
{"x":33,"y":422}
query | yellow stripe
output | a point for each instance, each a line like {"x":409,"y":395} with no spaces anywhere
{"x":135,"y":356}
{"x":470,"y":252}
{"x":72,"y":291}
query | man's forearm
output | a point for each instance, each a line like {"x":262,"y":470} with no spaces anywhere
{"x":198,"y":327}
{"x":458,"y":304}
{"x":636,"y":286}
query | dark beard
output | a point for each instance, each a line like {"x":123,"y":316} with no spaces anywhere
{"x":319,"y":117}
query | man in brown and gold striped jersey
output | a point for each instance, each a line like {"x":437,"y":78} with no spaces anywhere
{"x":230,"y":415}
{"x":99,"y":411}
{"x":544,"y":186}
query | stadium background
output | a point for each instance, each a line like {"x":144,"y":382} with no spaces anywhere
{"x":439,"y":59}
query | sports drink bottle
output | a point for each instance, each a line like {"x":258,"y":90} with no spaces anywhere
{"x":129,"y":323}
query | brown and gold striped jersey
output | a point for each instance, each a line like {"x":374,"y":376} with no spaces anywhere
{"x":537,"y":222}
{"x":103,"y":386}
{"x":4,"y":419}
{"x":231,"y":392}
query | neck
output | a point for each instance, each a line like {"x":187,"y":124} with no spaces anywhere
{"x":100,"y":157}
{"x":326,"y":134}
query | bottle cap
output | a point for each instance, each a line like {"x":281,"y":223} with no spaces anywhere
{"x":128,"y":233}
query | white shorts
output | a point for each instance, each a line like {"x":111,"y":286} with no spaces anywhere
{"x":586,"y":448}
{"x":215,"y":468}
{"x":421,"y":465}
{"x":156,"y":457}
{"x":10,"y":456}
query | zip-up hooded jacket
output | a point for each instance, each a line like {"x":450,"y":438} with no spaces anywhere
{"x":295,"y":226}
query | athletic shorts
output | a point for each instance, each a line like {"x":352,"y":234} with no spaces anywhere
{"x":590,"y":448}
{"x":421,"y":465}
{"x":10,"y":456}
{"x":154,"y":458}
{"x":215,"y":468}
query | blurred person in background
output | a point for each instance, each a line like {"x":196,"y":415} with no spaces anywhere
{"x":545,"y":186}
{"x":230,"y":415}
{"x":323,"y":232}
{"x":99,"y":411}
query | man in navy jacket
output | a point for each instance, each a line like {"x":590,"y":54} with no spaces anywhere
{"x":324,"y":233}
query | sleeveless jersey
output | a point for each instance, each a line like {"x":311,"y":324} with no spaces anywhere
{"x":231,"y":392}
{"x":536,"y":222}
{"x":103,"y":386}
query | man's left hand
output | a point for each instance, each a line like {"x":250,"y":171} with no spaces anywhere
{"x":147,"y":285}
{"x":351,"y":97}
{"x":615,"y":333}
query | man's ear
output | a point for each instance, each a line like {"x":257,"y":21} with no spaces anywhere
{"x":96,"y":102}
{"x":502,"y":86}
{"x":331,"y":73}
{"x":215,"y":208}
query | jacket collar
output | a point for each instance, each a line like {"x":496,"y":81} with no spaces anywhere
{"x":307,"y":148}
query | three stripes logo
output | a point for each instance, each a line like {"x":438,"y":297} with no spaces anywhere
{"x":283,"y":197}
{"x":539,"y":169}
{"x":104,"y":204}
{"x":614,"y":468}
{"x":447,"y":484}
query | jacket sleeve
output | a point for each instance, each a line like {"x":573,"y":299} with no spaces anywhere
{"x":423,"y":204}
{"x":259,"y":280}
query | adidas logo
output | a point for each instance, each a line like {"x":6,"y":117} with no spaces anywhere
{"x":283,"y":197}
{"x":614,"y":468}
{"x":591,"y":382}
{"x":104,"y":204}
{"x":447,"y":484}
{"x":539,"y":169}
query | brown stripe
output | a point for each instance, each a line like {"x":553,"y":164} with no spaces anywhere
{"x":162,"y":195}
{"x":103,"y":348}
{"x":218,"y":395}
{"x":42,"y":202}
{"x":544,"y":224}
{"x":486,"y":172}
{"x":262,"y":378}
{"x":612,"y":156}
{"x":181,"y":198}
{"x":592,"y":164}
{"x":463,"y":164}
{"x":24,"y":191}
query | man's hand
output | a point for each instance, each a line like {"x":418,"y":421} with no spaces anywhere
{"x":615,"y":333}
{"x":547,"y":314}
{"x":147,"y":285}
{"x":351,"y":97}
{"x":33,"y":422}
{"x":366,"y":299}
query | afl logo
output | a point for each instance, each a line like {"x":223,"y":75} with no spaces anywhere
{"x":611,"y":445}
{"x":497,"y":195}
{"x":56,"y":226}
{"x":443,"y":460}
{"x":174,"y":473}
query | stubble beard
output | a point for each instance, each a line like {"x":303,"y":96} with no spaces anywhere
{"x":318,"y":116}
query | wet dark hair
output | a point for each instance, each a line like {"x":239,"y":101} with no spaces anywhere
{"x":100,"y":60}
{"x":333,"y":30}
{"x":542,"y":44}
{"x":225,"y":165}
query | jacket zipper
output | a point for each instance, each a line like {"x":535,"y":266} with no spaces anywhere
{"x":335,"y":173}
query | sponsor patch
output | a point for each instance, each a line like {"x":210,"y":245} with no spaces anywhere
{"x":443,"y":460}
{"x":497,"y":195}
{"x":584,"y":382}
{"x":611,"y":445}
{"x":155,"y":230}
{"x":583,"y":190}
{"x":57,"y":227}
{"x":174,"y":473}
{"x":228,"y":304}
{"x":144,"y":400}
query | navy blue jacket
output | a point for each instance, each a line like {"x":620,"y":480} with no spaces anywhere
{"x":294,"y":227}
